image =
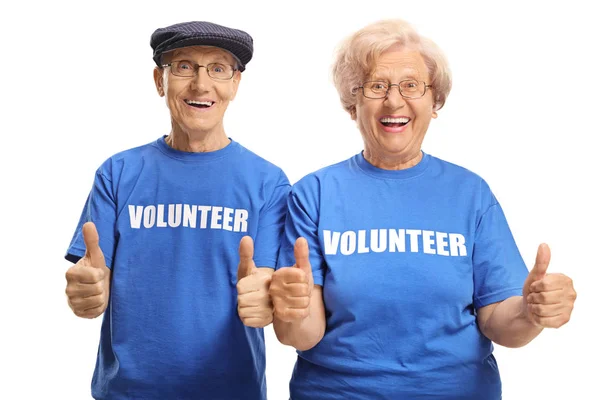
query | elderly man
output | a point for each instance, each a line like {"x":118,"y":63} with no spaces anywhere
{"x":155,"y":249}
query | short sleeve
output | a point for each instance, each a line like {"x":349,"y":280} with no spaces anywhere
{"x":302,"y":221}
{"x":270,"y":225}
{"x":100,"y":208}
{"x":498,"y":268}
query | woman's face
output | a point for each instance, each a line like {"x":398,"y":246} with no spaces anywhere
{"x":393,"y":128}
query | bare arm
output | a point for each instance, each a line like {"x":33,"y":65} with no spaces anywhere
{"x":305,"y":333}
{"x":547,"y":302}
{"x":298,"y":308}
{"x":506,"y":324}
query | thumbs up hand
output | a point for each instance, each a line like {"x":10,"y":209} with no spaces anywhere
{"x":291,"y":287}
{"x":548,"y":299}
{"x":254,"y":304}
{"x":88,"y":280}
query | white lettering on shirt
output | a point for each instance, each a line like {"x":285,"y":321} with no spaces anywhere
{"x":188,"y":216}
{"x":394,"y":240}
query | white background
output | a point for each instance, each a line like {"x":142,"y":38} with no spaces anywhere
{"x":77,"y":87}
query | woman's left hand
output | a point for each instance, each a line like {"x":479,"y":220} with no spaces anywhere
{"x":548,"y":299}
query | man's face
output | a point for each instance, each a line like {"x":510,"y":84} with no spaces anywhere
{"x":197,"y":103}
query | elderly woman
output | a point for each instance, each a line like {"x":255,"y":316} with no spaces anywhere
{"x":405,"y":270}
{"x":166,"y":221}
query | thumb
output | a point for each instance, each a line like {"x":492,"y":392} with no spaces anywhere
{"x":92,"y":247}
{"x":246,"y":266}
{"x":542,"y":260}
{"x":301,"y":256}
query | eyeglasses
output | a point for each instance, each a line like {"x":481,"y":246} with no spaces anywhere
{"x":189,"y":69}
{"x":409,"y":89}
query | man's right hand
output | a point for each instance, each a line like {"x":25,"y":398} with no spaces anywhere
{"x":88,"y":280}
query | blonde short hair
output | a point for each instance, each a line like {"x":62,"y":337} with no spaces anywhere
{"x":357,"y":56}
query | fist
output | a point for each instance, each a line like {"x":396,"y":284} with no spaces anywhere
{"x":291,"y":287}
{"x":548,"y":299}
{"x":254,"y":303}
{"x":87,"y":280}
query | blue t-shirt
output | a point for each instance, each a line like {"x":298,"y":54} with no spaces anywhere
{"x":405,"y":259}
{"x":170,"y":223}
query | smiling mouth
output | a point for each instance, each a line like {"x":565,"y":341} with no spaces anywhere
{"x":394,"y":122}
{"x":199,"y":104}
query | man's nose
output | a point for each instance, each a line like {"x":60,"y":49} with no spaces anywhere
{"x":201,"y":79}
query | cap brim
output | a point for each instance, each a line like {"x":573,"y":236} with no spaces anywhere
{"x":236,"y":49}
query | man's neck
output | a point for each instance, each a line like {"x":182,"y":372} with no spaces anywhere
{"x":197,"y":142}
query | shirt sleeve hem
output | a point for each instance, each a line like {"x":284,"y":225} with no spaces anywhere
{"x":318,"y":280}
{"x":74,"y":254}
{"x":264,"y":264}
{"x":497,"y":297}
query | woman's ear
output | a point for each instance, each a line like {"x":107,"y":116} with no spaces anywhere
{"x":352,"y":112}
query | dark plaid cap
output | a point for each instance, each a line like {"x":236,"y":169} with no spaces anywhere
{"x":200,"y":33}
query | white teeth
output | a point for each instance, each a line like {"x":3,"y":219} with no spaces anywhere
{"x":203,"y":103}
{"x":395,"y":120}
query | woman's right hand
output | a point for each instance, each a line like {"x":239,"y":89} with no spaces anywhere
{"x":291,"y":287}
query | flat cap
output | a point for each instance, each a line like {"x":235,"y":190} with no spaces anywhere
{"x":201,"y":33}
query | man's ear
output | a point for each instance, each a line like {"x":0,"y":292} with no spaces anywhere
{"x":159,"y":81}
{"x":237,"y":77}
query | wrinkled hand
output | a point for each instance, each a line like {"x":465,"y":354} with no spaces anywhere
{"x":86,"y":291}
{"x":291,"y":287}
{"x":254,"y":304}
{"x":548,"y":299}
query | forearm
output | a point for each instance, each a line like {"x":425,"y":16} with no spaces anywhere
{"x":508,"y":324}
{"x":306,"y":333}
